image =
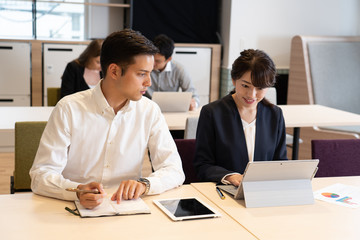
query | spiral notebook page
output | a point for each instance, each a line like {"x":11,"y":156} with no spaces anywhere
{"x":111,"y":208}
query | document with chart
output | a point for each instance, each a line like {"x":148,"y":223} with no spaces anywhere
{"x":340,"y":194}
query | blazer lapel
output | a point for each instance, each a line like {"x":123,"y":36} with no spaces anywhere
{"x":242,"y":142}
{"x":259,"y":134}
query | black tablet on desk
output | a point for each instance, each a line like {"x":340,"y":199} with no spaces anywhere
{"x":186,"y":209}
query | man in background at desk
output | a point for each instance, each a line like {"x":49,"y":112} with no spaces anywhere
{"x":97,"y":138}
{"x":170,"y":76}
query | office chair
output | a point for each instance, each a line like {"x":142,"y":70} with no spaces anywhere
{"x":339,"y":157}
{"x":27,"y":138}
{"x":271,"y":96}
{"x":186,"y":149}
{"x":190,"y":127}
{"x":327,"y":60}
{"x":53,"y":96}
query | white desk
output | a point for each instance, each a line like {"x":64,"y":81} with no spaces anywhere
{"x":317,"y":115}
{"x":10,"y":115}
{"x":29,"y":216}
{"x":297,"y":116}
{"x":321,"y":220}
{"x":177,"y":121}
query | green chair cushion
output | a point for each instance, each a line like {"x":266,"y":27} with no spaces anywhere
{"x":27,"y":138}
{"x":53,"y":96}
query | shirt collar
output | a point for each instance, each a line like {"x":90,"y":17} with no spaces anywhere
{"x":103,"y":103}
{"x":129,"y":105}
{"x":168,"y":67}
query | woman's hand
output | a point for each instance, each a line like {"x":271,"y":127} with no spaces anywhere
{"x":234,"y":179}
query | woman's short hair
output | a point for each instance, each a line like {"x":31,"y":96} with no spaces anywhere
{"x":262,"y":68}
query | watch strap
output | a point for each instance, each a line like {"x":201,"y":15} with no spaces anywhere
{"x":147,"y":184}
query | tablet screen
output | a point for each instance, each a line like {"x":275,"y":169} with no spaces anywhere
{"x":186,"y":208}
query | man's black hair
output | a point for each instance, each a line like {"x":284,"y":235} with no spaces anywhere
{"x":165,"y":45}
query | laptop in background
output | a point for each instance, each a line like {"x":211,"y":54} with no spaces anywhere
{"x":173,"y":101}
{"x":276,"y":183}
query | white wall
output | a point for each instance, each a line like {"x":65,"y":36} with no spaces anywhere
{"x":225,"y":27}
{"x":270,"y":25}
{"x":103,"y":20}
{"x":358,"y":19}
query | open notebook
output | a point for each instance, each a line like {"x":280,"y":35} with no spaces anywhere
{"x":111,"y":208}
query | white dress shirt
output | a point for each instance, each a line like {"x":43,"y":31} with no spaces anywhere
{"x":85,"y":141}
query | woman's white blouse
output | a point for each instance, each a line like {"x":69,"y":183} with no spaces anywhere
{"x":249,"y":131}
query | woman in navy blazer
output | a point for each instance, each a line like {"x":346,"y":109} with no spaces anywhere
{"x":243,"y":126}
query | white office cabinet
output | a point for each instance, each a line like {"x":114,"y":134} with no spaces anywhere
{"x":15,"y":74}
{"x":197,"y":62}
{"x":55,"y":59}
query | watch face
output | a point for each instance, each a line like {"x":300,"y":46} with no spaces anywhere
{"x":147,"y":184}
{"x":144,"y":180}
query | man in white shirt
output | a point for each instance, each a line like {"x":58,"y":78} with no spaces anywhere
{"x":97,"y":138}
{"x":168,"y":75}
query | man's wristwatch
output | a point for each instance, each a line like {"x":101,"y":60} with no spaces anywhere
{"x":147,"y":184}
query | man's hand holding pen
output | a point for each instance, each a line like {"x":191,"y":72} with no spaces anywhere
{"x":91,"y":194}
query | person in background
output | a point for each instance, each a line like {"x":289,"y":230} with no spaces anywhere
{"x":242,"y":126}
{"x":98,"y":138}
{"x":168,"y":75}
{"x":84,"y":72}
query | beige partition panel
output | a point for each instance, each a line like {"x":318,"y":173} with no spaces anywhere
{"x":299,"y":85}
{"x":300,"y":88}
{"x":36,"y":62}
{"x":215,"y":66}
